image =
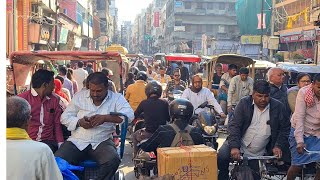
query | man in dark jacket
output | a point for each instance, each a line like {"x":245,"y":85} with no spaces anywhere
{"x":278,"y":90}
{"x":259,"y":128}
{"x":184,"y":72}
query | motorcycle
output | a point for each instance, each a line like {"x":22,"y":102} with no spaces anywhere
{"x":175,"y":94}
{"x":208,"y":122}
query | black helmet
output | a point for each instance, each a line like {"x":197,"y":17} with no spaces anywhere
{"x":134,"y":70}
{"x":142,"y":75}
{"x":153,"y":87}
{"x":182,"y":109}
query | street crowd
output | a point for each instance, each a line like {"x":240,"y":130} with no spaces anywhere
{"x":264,"y":117}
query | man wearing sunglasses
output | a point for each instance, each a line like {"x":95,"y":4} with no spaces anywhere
{"x":176,"y":83}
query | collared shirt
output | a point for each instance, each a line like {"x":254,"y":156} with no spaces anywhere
{"x":28,"y":159}
{"x":80,"y":75}
{"x":82,"y":105}
{"x":306,"y":121}
{"x":45,"y":122}
{"x":239,"y":89}
{"x":258,"y":134}
{"x":198,"y":98}
{"x":136,"y":93}
{"x":225,"y":77}
{"x":68,"y":85}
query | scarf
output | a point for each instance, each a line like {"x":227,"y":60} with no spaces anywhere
{"x":17,"y":134}
{"x":309,"y":97}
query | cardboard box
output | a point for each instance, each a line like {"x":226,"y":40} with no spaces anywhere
{"x":198,"y":162}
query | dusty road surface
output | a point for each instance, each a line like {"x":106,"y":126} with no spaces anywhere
{"x":127,"y":165}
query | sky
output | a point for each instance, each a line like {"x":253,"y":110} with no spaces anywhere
{"x":128,"y":9}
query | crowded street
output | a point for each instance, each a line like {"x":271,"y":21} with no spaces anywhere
{"x":162,"y":89}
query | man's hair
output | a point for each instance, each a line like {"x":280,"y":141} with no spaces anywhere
{"x":301,"y":75}
{"x":41,"y":76}
{"x":316,"y":78}
{"x":261,"y":86}
{"x":18,"y":112}
{"x":89,"y":65}
{"x":130,"y":75}
{"x":232,"y":66}
{"x":80,"y":64}
{"x":98,"y":78}
{"x":177,"y":70}
{"x":196,"y":76}
{"x":218,"y":65}
{"x":60,"y":78}
{"x":162,"y":68}
{"x":244,"y":70}
{"x":271,"y":71}
{"x":105,"y":71}
{"x":63,"y":70}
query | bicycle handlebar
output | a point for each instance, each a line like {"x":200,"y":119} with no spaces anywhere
{"x":259,"y":157}
{"x":311,"y":152}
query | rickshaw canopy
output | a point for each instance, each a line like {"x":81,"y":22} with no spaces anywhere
{"x":183,"y":57}
{"x":23,"y":63}
{"x":32,"y":57}
{"x":300,"y":68}
{"x":263,"y":64}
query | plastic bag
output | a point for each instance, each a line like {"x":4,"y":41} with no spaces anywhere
{"x":66,"y":168}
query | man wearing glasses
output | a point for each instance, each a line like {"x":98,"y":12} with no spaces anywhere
{"x":176,"y":83}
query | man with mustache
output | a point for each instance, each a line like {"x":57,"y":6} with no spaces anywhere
{"x":259,"y":128}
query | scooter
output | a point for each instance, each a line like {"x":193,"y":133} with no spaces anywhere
{"x":175,"y":94}
{"x":208,"y":122}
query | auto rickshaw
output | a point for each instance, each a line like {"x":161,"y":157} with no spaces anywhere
{"x":240,"y":61}
{"x":261,"y":69}
{"x":292,"y":70}
{"x":24,"y":64}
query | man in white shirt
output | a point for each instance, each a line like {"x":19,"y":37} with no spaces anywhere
{"x":197,"y":95}
{"x":91,"y":125}
{"x":259,"y":128}
{"x":80,"y":75}
{"x":26,"y":159}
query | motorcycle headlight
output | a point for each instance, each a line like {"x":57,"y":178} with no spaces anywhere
{"x":210,"y":130}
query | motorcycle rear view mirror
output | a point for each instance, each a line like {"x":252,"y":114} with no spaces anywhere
{"x":203,"y":105}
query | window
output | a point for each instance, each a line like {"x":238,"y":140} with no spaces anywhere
{"x":188,"y":28}
{"x":209,"y":5}
{"x":199,"y":28}
{"x":187,"y":5}
{"x":221,"y":6}
{"x":199,"y":5}
{"x":178,"y":23}
{"x":65,"y":11}
{"x":209,"y":28}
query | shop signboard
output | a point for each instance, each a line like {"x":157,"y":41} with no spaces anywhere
{"x":63,"y":35}
{"x":245,"y":39}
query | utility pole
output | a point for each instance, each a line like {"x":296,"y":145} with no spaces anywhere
{"x":272,"y":26}
{"x":88,"y":12}
{"x":14,"y":24}
{"x":261,"y":27}
{"x":56,"y":29}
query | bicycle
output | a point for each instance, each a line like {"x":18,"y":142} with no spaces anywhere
{"x":269,"y":167}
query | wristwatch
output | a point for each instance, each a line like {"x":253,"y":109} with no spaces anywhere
{"x":78,"y":124}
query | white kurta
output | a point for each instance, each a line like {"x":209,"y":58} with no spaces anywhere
{"x":27,"y":159}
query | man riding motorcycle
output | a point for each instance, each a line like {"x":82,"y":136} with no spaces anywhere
{"x":197,"y":94}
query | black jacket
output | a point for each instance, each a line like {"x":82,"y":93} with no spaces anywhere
{"x":280,"y":125}
{"x":281,"y":95}
{"x":164,"y":136}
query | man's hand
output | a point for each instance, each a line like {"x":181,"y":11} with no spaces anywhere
{"x":97,"y":120}
{"x":300,"y":148}
{"x":85,"y":123}
{"x":277,"y":152}
{"x":235,"y":153}
{"x":223,"y":115}
{"x":230,"y":109}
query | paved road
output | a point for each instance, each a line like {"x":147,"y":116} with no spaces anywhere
{"x":127,"y":165}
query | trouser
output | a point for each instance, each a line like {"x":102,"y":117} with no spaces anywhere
{"x":223,"y":105}
{"x":105,"y":155}
{"x":138,"y":136}
{"x":224,"y":158}
{"x":53,"y":145}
